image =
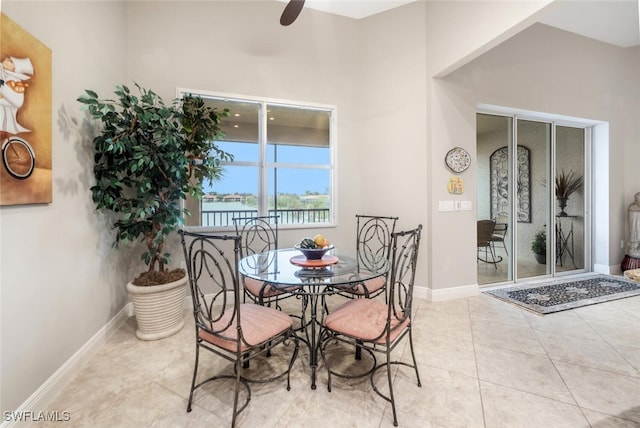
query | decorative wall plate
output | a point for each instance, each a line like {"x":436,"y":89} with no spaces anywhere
{"x":457,"y":159}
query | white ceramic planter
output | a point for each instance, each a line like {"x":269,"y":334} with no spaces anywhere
{"x":159,"y":309}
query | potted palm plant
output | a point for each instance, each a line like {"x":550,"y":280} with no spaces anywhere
{"x":566,"y":185}
{"x":148,"y":157}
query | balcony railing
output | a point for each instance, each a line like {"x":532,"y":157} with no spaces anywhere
{"x":287,"y":216}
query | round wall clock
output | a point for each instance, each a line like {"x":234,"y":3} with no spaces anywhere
{"x":457,"y":159}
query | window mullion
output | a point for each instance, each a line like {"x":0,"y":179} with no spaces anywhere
{"x":263,"y":196}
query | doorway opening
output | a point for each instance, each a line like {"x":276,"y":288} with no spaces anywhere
{"x":534,"y":199}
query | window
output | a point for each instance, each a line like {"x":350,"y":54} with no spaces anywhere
{"x":283,"y":164}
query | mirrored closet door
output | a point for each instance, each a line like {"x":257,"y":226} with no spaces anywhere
{"x":537,"y":219}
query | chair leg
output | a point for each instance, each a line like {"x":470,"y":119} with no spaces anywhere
{"x":504,"y":246}
{"x":322,"y":344}
{"x":413,"y":356}
{"x":293,"y":359}
{"x":236,"y":393}
{"x":358,"y":355}
{"x":493,"y":257}
{"x":193,"y":381}
{"x":488,"y":249}
{"x":391,"y":398}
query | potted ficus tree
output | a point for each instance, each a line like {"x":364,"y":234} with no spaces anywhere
{"x":148,"y":157}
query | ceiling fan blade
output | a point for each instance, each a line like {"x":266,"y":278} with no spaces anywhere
{"x":291,"y":12}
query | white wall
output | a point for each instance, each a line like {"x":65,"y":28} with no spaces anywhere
{"x":542,"y":69}
{"x":459,"y":31}
{"x":61,"y":282}
{"x":321,"y":59}
{"x":240,"y":48}
{"x":632,"y":135}
{"x":456,"y":33}
{"x":392,"y":143}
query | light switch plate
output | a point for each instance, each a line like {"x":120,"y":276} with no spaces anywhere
{"x":445,"y":206}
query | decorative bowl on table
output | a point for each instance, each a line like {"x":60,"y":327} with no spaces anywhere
{"x":313,"y":253}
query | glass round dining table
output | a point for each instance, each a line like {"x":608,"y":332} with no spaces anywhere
{"x":338,"y":271}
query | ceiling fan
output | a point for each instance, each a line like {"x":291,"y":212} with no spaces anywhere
{"x":291,"y":12}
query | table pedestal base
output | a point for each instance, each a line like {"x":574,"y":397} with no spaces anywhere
{"x":311,"y":327}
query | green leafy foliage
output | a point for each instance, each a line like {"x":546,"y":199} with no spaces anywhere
{"x":148,"y":157}
{"x":539,"y":243}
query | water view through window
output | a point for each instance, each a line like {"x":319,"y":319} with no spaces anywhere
{"x":282,"y":165}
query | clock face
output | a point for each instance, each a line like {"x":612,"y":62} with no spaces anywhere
{"x":458,"y":159}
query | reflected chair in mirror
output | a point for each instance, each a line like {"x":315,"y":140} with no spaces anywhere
{"x":373,"y":242}
{"x":377,"y":326}
{"x":485,"y":233}
{"x":259,"y":235}
{"x":226,"y":326}
{"x":499,"y":235}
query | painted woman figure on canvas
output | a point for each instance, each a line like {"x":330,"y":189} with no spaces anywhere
{"x":14,"y":72}
{"x":633,"y":247}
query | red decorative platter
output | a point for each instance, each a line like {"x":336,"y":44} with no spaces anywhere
{"x":326,"y":260}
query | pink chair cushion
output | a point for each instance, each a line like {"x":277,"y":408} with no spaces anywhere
{"x":255,"y":287}
{"x":372,"y":285}
{"x":259,"y":324}
{"x":364,"y":319}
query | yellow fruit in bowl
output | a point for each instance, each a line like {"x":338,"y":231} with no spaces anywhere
{"x":319,"y":240}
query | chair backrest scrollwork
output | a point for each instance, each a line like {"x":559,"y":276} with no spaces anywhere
{"x":404,"y":258}
{"x":212,"y":268}
{"x":259,"y":234}
{"x":374,"y":236}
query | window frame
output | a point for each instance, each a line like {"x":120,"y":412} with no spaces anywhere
{"x":264,"y":165}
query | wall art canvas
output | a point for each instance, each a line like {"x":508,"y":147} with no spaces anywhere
{"x":499,"y":167}
{"x":455,"y":186}
{"x":25,"y":117}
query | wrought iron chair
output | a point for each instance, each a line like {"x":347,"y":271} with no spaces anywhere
{"x":485,"y":233}
{"x":377,"y":326}
{"x":225,"y":326}
{"x":258,"y":235}
{"x":498,"y":236}
{"x":373,"y":241}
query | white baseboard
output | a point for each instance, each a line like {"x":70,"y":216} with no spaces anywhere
{"x":420,"y":292}
{"x":41,"y":398}
{"x":607,"y":270}
{"x":443,"y":294}
{"x":603,"y":269}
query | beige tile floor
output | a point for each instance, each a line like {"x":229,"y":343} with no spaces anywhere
{"x":483,"y":363}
